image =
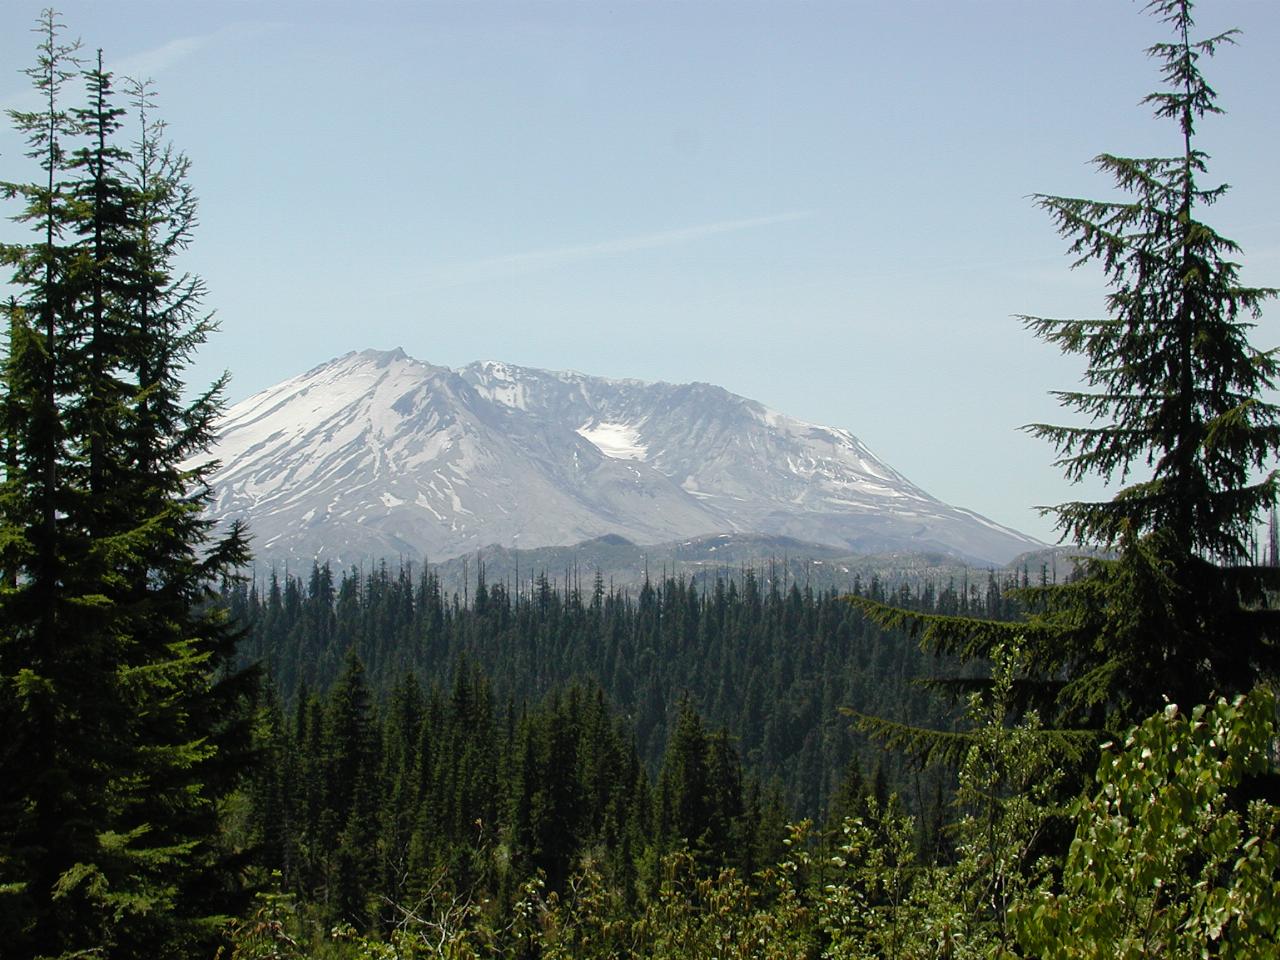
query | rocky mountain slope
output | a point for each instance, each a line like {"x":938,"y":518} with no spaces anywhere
{"x":377,"y":455}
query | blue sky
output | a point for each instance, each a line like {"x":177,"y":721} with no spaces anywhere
{"x":823,"y":206}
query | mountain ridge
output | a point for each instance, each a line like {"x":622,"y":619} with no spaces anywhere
{"x":375,"y":454}
{"x":780,"y":561}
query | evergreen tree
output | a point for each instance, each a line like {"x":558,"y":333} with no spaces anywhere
{"x":1175,"y":406}
{"x":700,"y":802}
{"x":1174,"y":387}
{"x":126,"y":725}
{"x":51,"y":796}
{"x":350,"y":786}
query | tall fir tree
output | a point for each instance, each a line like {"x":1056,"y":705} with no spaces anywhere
{"x":125,"y":723}
{"x":1175,"y":411}
{"x":48,"y":795}
{"x":1175,"y":393}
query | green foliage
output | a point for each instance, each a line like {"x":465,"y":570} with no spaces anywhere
{"x":690,"y":914}
{"x":1005,"y":796}
{"x":1174,"y":409}
{"x":769,"y":663}
{"x":378,"y":816}
{"x":1176,"y":395}
{"x":123,"y":722}
{"x":1175,"y":384}
{"x":699,"y":793}
{"x":1164,"y":863}
{"x":882,"y":900}
{"x":871,"y":896}
{"x":267,"y":933}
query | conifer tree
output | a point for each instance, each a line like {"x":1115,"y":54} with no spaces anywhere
{"x":1175,"y":394}
{"x":43,"y":813}
{"x":124,"y":721}
{"x":1175,"y":411}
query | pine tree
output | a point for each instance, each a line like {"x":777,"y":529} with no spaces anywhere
{"x":1175,"y":406}
{"x":1175,"y":392}
{"x":125,"y":722}
{"x":48,"y":795}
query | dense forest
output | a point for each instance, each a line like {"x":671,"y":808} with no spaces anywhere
{"x":772,"y":665}
{"x":198,"y":764}
{"x":561,"y":726}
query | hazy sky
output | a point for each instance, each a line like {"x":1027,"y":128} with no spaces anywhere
{"x":822,"y":206}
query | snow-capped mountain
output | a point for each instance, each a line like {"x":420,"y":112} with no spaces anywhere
{"x":375,"y":454}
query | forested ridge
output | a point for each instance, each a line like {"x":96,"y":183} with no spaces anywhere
{"x":201,"y":764}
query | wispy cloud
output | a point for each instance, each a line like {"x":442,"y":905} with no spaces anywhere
{"x":147,"y":64}
{"x":474,"y":271}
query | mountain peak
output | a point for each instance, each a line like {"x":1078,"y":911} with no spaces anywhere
{"x":376,"y":454}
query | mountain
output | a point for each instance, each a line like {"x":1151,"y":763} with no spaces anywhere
{"x":377,"y":455}
{"x":623,"y":565}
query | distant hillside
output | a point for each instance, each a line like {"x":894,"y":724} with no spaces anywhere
{"x":376,"y":455}
{"x":624,"y":565}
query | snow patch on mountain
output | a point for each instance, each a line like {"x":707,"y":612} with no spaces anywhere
{"x":375,"y":454}
{"x":618,"y":440}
